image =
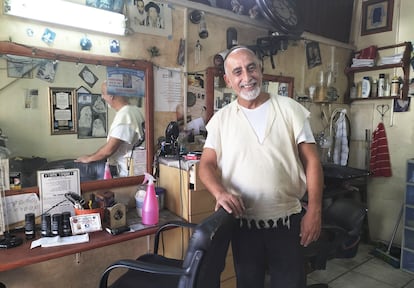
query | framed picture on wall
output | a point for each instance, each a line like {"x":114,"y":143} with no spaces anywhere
{"x":313,"y":54}
{"x":150,"y":17}
{"x":377,"y":16}
{"x":20,"y":67}
{"x":62,"y":105}
{"x":92,"y":116}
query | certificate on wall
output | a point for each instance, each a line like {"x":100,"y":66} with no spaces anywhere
{"x":53,"y":185}
{"x":62,"y":105}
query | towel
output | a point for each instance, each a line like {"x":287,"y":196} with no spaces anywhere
{"x":341,"y":148}
{"x":380,"y":164}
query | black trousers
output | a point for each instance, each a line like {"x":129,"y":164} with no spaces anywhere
{"x":276,"y":251}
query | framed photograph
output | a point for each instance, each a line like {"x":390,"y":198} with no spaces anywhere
{"x":150,"y":17}
{"x":92,"y":116}
{"x":313,"y":54}
{"x":377,"y":16}
{"x":87,"y":75}
{"x":20,"y":67}
{"x":62,"y":105}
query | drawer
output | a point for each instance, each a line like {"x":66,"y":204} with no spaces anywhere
{"x":229,"y":283}
{"x":409,"y":239}
{"x":409,"y":194}
{"x":228,"y":269}
{"x":194,"y":179}
{"x":407,"y":260}
{"x":409,"y":217}
{"x":201,"y":201}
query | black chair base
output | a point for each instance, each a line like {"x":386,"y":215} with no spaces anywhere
{"x":321,"y":285}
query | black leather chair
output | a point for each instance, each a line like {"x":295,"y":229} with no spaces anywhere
{"x":340,"y":235}
{"x":202,"y":265}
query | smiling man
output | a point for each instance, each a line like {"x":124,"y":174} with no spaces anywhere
{"x":265,"y":150}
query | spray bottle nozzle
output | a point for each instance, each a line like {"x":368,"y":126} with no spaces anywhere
{"x":148,"y":179}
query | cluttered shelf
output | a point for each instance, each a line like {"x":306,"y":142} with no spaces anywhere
{"x":22,"y":255}
{"x":366,"y":60}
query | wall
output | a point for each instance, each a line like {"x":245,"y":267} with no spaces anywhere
{"x":385,"y":195}
{"x":290,"y":62}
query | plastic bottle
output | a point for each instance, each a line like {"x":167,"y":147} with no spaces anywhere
{"x":366,"y":87}
{"x":107,"y":173}
{"x":381,"y":85}
{"x":374,"y":89}
{"x":150,"y":211}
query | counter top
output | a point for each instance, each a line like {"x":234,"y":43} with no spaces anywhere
{"x":22,"y":255}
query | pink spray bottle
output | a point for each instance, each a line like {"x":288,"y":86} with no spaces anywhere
{"x":150,"y":211}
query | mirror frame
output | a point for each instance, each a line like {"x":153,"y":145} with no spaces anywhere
{"x":76,"y":57}
{"x":212,"y":72}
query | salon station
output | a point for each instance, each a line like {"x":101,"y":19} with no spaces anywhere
{"x":348,"y":62}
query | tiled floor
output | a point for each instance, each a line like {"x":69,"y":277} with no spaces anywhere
{"x":362,"y":271}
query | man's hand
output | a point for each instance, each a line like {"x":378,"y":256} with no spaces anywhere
{"x":231,"y":203}
{"x":310,"y":227}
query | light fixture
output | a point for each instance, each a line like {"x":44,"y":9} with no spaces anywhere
{"x":68,"y":14}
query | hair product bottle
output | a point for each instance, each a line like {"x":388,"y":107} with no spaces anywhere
{"x":150,"y":213}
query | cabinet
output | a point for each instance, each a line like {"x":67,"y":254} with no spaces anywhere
{"x":407,"y":249}
{"x":187,"y":197}
{"x":404,"y":64}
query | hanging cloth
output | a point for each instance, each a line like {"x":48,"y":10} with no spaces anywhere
{"x":380,"y":164}
{"x":341,"y":148}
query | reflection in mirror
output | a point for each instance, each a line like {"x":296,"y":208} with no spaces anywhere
{"x":218,"y":95}
{"x":30,"y":86}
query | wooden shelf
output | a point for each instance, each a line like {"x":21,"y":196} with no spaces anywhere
{"x":404,"y":64}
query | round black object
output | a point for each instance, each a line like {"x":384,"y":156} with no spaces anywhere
{"x":284,"y":14}
{"x":195,"y":16}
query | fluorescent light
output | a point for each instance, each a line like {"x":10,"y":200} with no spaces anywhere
{"x":68,"y":14}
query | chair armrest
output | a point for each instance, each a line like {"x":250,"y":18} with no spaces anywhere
{"x":169,"y":225}
{"x":140,"y":266}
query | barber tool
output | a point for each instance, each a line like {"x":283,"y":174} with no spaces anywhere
{"x":117,"y":231}
{"x":75,"y":199}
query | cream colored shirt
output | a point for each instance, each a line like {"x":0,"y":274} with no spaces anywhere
{"x":126,"y":127}
{"x":268,"y":174}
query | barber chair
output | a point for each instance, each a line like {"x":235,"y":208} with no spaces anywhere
{"x":202,"y":265}
{"x":340,"y":235}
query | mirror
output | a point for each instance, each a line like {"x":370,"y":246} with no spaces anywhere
{"x":69,"y":65}
{"x":218,"y":95}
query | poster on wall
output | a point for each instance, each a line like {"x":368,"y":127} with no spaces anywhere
{"x":150,"y":17}
{"x":92,"y":116}
{"x":125,"y":82}
{"x":196,"y":104}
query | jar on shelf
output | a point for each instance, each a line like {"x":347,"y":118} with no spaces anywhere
{"x":395,"y":86}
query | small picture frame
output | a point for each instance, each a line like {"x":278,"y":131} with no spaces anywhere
{"x":87,"y":75}
{"x":20,"y":68}
{"x":376,"y":16}
{"x":92,"y":116}
{"x":62,"y":105}
{"x":313,"y":54}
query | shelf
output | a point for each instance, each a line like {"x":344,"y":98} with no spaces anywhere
{"x":404,"y":64}
{"x":374,"y":98}
{"x":373,"y":68}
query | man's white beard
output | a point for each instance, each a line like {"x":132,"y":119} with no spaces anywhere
{"x":250,"y":95}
